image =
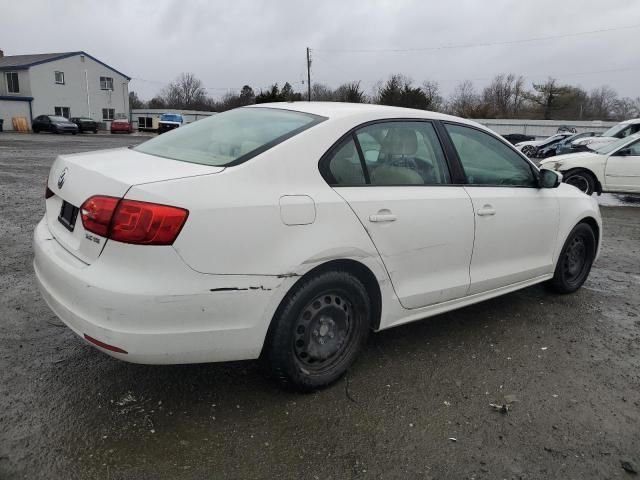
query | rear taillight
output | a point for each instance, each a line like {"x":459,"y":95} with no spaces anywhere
{"x":97,"y":212}
{"x":131,"y":221}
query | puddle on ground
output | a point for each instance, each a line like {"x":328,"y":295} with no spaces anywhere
{"x":619,"y":200}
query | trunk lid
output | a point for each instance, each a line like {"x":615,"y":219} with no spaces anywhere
{"x":75,"y":178}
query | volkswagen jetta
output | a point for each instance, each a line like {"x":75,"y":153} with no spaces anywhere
{"x":289,"y":231}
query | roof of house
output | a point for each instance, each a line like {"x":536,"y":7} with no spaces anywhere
{"x":23,"y":62}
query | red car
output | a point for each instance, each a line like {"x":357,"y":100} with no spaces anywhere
{"x":121,"y":126}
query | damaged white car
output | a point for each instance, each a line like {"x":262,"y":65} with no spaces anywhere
{"x":614,"y":167}
{"x":289,"y":231}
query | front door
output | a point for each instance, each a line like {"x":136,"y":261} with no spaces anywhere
{"x":622,"y":172}
{"x":516,"y":222}
{"x":395,"y":178}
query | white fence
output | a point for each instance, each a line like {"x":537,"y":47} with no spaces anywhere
{"x":542,"y":128}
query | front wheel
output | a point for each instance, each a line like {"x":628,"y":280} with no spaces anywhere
{"x":583,"y":180}
{"x":575,"y":260}
{"x":318,"y":331}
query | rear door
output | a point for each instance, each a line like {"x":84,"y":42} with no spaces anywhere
{"x":516,"y":223}
{"x":622,"y":172}
{"x":395,"y":178}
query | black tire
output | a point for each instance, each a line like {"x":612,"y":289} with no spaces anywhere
{"x":582,"y":179}
{"x":575,"y":260}
{"x":74,"y":133}
{"x":36,"y":130}
{"x":318,"y":331}
{"x":95,"y":130}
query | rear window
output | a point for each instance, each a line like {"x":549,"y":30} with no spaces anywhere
{"x":231,"y":137}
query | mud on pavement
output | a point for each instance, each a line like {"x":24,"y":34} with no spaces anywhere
{"x":416,"y":404}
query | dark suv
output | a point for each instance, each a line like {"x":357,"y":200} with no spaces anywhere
{"x":85,"y":124}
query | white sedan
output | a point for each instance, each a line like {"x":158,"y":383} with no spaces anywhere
{"x":289,"y":231}
{"x":614,"y":167}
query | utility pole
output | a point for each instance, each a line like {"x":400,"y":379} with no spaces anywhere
{"x":308,"y":74}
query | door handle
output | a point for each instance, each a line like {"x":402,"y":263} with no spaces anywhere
{"x":486,"y":211}
{"x":382,"y":217}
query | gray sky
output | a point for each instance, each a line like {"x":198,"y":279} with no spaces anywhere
{"x":231,"y":43}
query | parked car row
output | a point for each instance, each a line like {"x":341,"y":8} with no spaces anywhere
{"x":612,"y":167}
{"x":74,"y":125}
{"x":566,"y":140}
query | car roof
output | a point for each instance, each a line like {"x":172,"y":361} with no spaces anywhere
{"x":334,"y":110}
{"x":631,"y":120}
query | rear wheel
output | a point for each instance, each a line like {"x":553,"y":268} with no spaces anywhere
{"x":318,"y":331}
{"x":583,"y":180}
{"x":576,"y":258}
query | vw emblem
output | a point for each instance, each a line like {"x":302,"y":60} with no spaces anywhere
{"x":61,"y":177}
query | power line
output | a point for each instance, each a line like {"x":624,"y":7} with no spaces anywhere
{"x":161,"y":82}
{"x":485,"y":44}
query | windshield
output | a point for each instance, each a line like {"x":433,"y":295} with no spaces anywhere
{"x":610,"y":147}
{"x":231,"y":137}
{"x":615,"y":129}
{"x":171,"y":117}
{"x":58,"y":119}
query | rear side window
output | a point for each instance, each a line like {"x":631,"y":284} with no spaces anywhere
{"x":488,"y":161}
{"x":391,"y":154}
{"x":345,"y":165}
{"x":231,"y":137}
{"x":403,"y":153}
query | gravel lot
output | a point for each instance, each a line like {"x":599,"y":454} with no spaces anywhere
{"x":416,"y":405}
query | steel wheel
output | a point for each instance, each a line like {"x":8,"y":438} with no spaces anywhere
{"x":575,"y":259}
{"x":318,"y":330}
{"x":323,"y":332}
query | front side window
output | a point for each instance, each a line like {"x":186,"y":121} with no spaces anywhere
{"x":108,"y":113}
{"x":106,"y":83}
{"x":488,"y":161}
{"x":59,"y":76}
{"x":62,"y":111}
{"x":231,"y":137}
{"x":13,"y":86}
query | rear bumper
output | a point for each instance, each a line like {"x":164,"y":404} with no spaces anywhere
{"x":147,"y":302}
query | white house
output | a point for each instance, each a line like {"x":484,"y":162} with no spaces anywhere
{"x":71,"y":84}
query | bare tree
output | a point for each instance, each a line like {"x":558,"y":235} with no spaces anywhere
{"x":601,"y":102}
{"x":464,"y":101}
{"x":504,"y":95}
{"x":626,"y":108}
{"x":321,"y":93}
{"x":435,"y":102}
{"x":185,"y":92}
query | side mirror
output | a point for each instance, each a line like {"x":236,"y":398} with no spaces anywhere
{"x":549,"y":178}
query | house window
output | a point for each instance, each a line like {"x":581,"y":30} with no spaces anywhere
{"x":106,"y":83}
{"x":108,"y":113}
{"x":59,"y":77}
{"x":62,"y":112}
{"x":12,"y":82}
